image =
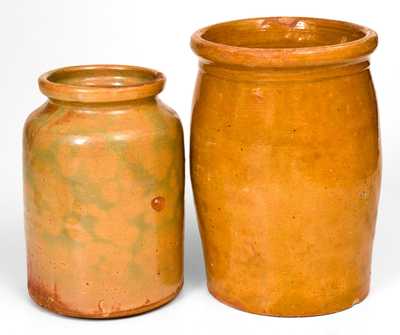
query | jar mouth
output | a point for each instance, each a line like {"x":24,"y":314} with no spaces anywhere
{"x":101,"y":83}
{"x":284,"y":42}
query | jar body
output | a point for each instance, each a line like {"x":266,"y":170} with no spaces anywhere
{"x":103,"y":189}
{"x":285,"y":167}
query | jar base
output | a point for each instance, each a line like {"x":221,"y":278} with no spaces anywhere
{"x":60,"y":308}
{"x":235,"y":305}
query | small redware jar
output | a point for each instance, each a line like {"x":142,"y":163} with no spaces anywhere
{"x":103,"y":187}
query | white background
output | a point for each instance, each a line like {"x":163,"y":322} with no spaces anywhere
{"x":38,"y":35}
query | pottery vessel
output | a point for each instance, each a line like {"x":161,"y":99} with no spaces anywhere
{"x":103,"y":186}
{"x":285,"y":163}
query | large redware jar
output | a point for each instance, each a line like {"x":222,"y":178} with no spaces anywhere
{"x":104,"y":183}
{"x":285,"y":163}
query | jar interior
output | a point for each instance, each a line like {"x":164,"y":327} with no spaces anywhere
{"x":98,"y":77}
{"x":282,"y":33}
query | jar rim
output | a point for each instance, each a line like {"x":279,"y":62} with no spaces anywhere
{"x":260,"y":42}
{"x":101,"y":83}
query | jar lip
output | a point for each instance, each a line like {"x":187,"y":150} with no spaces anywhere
{"x":101,"y":83}
{"x":226,"y":43}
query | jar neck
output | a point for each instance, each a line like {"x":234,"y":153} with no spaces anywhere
{"x":269,"y":74}
{"x":104,"y":105}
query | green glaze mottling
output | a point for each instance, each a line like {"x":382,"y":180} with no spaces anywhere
{"x":89,"y":178}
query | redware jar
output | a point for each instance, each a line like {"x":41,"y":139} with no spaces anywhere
{"x":103,"y":182}
{"x":285,"y":163}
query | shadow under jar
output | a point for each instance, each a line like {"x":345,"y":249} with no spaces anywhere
{"x":285,"y":163}
{"x":103,"y":184}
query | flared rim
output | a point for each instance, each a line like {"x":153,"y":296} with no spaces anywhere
{"x":226,"y":42}
{"x":101,"y":83}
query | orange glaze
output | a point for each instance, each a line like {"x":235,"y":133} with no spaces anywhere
{"x":285,"y":163}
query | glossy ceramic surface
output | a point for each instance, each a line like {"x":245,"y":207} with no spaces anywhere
{"x":285,"y":163}
{"x":104,"y":184}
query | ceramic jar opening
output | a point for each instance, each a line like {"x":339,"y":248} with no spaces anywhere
{"x":284,"y":42}
{"x":101,"y":83}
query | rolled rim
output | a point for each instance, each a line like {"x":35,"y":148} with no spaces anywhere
{"x":101,"y":83}
{"x":260,"y":42}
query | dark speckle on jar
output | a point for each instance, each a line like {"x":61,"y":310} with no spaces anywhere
{"x":158,"y":203}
